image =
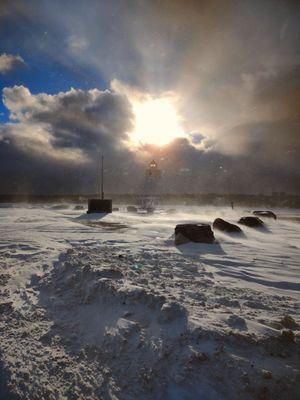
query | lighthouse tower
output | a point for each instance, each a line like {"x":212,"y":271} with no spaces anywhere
{"x":153,"y":172}
{"x":152,"y":179}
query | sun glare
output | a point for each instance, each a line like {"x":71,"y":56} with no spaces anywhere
{"x":156,"y":122}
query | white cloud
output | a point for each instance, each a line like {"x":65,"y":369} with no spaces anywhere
{"x":9,"y":62}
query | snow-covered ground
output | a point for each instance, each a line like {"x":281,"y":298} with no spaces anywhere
{"x":106,"y":307}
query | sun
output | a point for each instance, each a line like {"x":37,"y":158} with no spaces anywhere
{"x":156,"y":122}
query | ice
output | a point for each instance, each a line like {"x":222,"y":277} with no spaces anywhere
{"x":106,"y":306}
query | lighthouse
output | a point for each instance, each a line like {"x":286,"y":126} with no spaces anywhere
{"x":153,"y":172}
{"x":152,"y":179}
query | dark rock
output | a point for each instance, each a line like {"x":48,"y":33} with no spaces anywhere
{"x":132,"y":209}
{"x":78,"y":207}
{"x":252,"y":222}
{"x":224,"y":226}
{"x":199,"y":233}
{"x":115,"y":209}
{"x":265,"y":214}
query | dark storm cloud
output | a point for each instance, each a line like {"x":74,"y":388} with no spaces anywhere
{"x":57,"y":138}
{"x":27,"y":173}
{"x":75,"y":119}
{"x":188,"y":170}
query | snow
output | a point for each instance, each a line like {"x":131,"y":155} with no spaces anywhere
{"x":105,"y":306}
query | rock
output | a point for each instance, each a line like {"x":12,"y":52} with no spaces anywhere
{"x":252,"y":222}
{"x":265,"y":214}
{"x":224,"y":226}
{"x":199,"y":233}
{"x":288,"y":322}
{"x":115,"y":209}
{"x":132,"y":209}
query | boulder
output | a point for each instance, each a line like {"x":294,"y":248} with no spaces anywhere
{"x":265,"y":214}
{"x":132,"y":209}
{"x":252,"y":222}
{"x":224,"y":226}
{"x":115,"y":209}
{"x":199,"y":233}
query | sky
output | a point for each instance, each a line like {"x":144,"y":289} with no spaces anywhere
{"x":210,"y":89}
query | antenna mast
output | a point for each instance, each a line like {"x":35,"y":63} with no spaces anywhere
{"x":102,"y":177}
{"x":100,"y":205}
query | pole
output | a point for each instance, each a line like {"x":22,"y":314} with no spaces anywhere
{"x":102,"y":177}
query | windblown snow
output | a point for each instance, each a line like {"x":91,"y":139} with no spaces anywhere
{"x":106,"y":307}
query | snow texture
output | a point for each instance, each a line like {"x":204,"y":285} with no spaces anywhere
{"x":107,"y":307}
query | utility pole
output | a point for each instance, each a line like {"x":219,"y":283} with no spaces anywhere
{"x":102,"y":177}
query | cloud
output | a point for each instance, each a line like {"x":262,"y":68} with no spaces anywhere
{"x":208,"y":52}
{"x":270,"y":132}
{"x":233,"y":67}
{"x":67,"y":130}
{"x":187,"y":169}
{"x":77,"y":44}
{"x":76,"y":119}
{"x":272,"y":145}
{"x":9,"y":63}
